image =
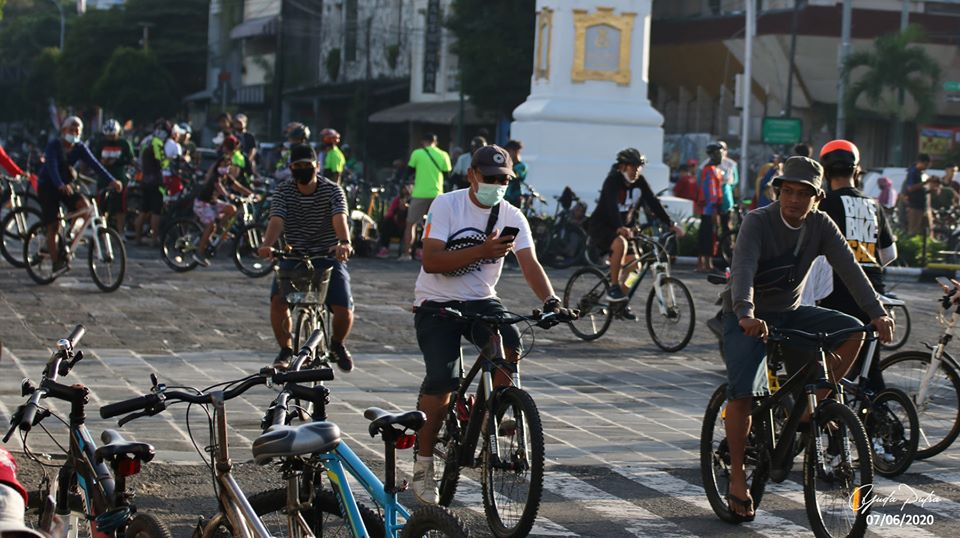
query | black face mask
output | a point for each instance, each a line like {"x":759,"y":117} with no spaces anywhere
{"x":303,"y":175}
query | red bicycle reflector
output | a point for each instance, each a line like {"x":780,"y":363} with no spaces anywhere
{"x":406,"y":441}
{"x":128,"y":467}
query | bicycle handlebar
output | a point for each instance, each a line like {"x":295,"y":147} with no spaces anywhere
{"x":76,"y":335}
{"x":541,"y":319}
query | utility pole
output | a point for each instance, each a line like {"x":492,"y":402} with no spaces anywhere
{"x":751,"y":30}
{"x":898,"y":128}
{"x":277,"y":123}
{"x":63,"y":22}
{"x":145,"y":40}
{"x":793,"y":56}
{"x":842,"y":82}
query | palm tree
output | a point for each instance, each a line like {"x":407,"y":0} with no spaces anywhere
{"x":893,"y":68}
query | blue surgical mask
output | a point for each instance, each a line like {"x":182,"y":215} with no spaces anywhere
{"x":490,"y":195}
{"x":71,"y":138}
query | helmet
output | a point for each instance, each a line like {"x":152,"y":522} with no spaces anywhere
{"x":714,"y":147}
{"x":185,"y":128}
{"x":631,"y":156}
{"x":111,"y":127}
{"x":299,"y":132}
{"x":839,"y":154}
{"x":329,"y":136}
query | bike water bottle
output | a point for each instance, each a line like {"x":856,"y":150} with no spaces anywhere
{"x":632,"y":278}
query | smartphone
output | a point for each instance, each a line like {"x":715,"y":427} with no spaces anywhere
{"x":510,"y":231}
{"x":945,"y":282}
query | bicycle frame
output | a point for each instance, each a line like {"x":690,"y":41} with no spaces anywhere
{"x":654,"y":259}
{"x":938,"y":354}
{"x":92,"y":221}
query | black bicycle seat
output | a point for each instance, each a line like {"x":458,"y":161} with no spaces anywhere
{"x":116,"y":446}
{"x":380,"y":420}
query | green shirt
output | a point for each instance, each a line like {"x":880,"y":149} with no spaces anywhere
{"x":428,"y":182}
{"x":334,"y":161}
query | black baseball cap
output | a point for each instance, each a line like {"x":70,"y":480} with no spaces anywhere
{"x":493,"y":160}
{"x":801,"y":170}
{"x":302,"y":153}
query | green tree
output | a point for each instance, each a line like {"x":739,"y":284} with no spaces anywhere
{"x":495,"y":48}
{"x":41,"y":85}
{"x":135,"y":85}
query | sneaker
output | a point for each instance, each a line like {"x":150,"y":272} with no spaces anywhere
{"x":405,"y":258}
{"x":343,"y":357}
{"x":201,"y":261}
{"x":283,"y":358}
{"x":628,"y":314}
{"x":616,"y":295}
{"x":424,"y":486}
{"x":384,"y":252}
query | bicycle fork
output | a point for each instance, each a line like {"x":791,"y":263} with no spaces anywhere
{"x":935,"y":359}
{"x":666,"y":298}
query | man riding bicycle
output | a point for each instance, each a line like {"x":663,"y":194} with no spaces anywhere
{"x":116,"y":154}
{"x":211,"y":205}
{"x":55,"y":182}
{"x":311,"y":213}
{"x":774,"y":251}
{"x":463,"y":252}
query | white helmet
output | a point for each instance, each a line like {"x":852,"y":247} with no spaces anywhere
{"x":111,"y":127}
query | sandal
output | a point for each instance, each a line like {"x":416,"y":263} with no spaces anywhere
{"x":744,"y":503}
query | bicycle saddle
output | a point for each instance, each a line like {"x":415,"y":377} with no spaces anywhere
{"x":380,"y":420}
{"x":116,"y":446}
{"x":286,"y":441}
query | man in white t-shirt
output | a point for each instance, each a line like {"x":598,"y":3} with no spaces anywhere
{"x":463,"y":255}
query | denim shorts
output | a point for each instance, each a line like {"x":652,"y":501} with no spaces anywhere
{"x":338,"y":291}
{"x":746,"y":356}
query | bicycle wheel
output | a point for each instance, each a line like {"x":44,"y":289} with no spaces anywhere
{"x":596,"y":255}
{"x":107,"y":268}
{"x":670,"y":316}
{"x":836,"y":464}
{"x":894,"y":431}
{"x":513,"y":484}
{"x":245,"y":252}
{"x":565,"y":246}
{"x":587,"y":290}
{"x":434,"y":521}
{"x":39,"y":265}
{"x":145,"y":525}
{"x":14,"y":228}
{"x":307,"y":322}
{"x":939,"y":410}
{"x":324,"y":518}
{"x":715,"y":459}
{"x":179,"y":243}
{"x":901,"y":319}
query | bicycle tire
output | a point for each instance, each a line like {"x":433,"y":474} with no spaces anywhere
{"x":901,"y":318}
{"x":849,"y":431}
{"x":324,"y":512}
{"x":674,"y":315}
{"x":886,"y":428}
{"x":177,"y":244}
{"x":34,"y":259}
{"x":144,"y":525}
{"x":427,"y":519}
{"x":307,"y":322}
{"x":527,"y":421}
{"x":245,"y":255}
{"x":11,"y":245}
{"x":714,"y":457}
{"x":119,"y":254}
{"x":940,"y":415}
{"x":596,"y":313}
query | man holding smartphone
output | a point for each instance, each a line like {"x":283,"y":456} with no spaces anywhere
{"x":468,"y":234}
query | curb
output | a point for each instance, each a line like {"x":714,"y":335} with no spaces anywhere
{"x":903,"y":274}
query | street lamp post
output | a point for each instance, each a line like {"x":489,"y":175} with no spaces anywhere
{"x":63,"y":22}
{"x":751,"y":30}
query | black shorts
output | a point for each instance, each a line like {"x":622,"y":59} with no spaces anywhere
{"x":151,"y":199}
{"x":111,"y":201}
{"x":439,"y":339}
{"x":50,"y":200}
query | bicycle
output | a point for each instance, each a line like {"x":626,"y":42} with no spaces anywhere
{"x":106,"y":255}
{"x":896,"y":309}
{"x":669,"y":306}
{"x":327,"y":507}
{"x":237,"y":515}
{"x":90,"y":487}
{"x":502,"y":422}
{"x":828,"y":460}
{"x":20,"y":214}
{"x":305,"y":291}
{"x":562,"y":243}
{"x":932,"y":379}
{"x":181,"y":238}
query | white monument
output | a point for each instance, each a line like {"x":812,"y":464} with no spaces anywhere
{"x":588,"y":97}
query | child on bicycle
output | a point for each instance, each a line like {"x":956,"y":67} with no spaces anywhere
{"x":210,"y":205}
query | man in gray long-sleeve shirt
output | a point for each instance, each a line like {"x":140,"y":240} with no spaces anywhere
{"x":774,"y":251}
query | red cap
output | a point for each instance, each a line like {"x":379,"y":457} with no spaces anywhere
{"x":230,"y":142}
{"x":844,"y":147}
{"x":8,"y":472}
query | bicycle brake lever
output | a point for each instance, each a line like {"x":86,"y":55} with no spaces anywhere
{"x":139,"y":414}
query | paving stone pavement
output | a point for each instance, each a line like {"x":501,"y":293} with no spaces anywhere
{"x":622,"y":419}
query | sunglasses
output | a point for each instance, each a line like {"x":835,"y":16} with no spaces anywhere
{"x":501,"y":179}
{"x":303,"y":165}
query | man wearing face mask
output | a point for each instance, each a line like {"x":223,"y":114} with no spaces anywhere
{"x":624,"y":191}
{"x":311,"y":213}
{"x":55,"y":182}
{"x":463,"y":254}
{"x":153,"y":162}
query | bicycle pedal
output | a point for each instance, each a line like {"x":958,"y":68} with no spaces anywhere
{"x":403,"y":487}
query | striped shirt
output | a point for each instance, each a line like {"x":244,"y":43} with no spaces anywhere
{"x":308,"y":219}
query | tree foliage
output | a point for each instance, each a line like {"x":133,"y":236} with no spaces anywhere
{"x":895,"y":63}
{"x":134,"y":85}
{"x":495,"y":48}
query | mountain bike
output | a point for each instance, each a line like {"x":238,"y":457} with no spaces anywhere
{"x":90,"y":487}
{"x":19,"y":214}
{"x":502,"y":423}
{"x":237,"y":515}
{"x":181,"y":238}
{"x":837,"y":464}
{"x":562,"y":243}
{"x":670,"y":314}
{"x":932,"y":379}
{"x":327,"y":508}
{"x":106,"y":253}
